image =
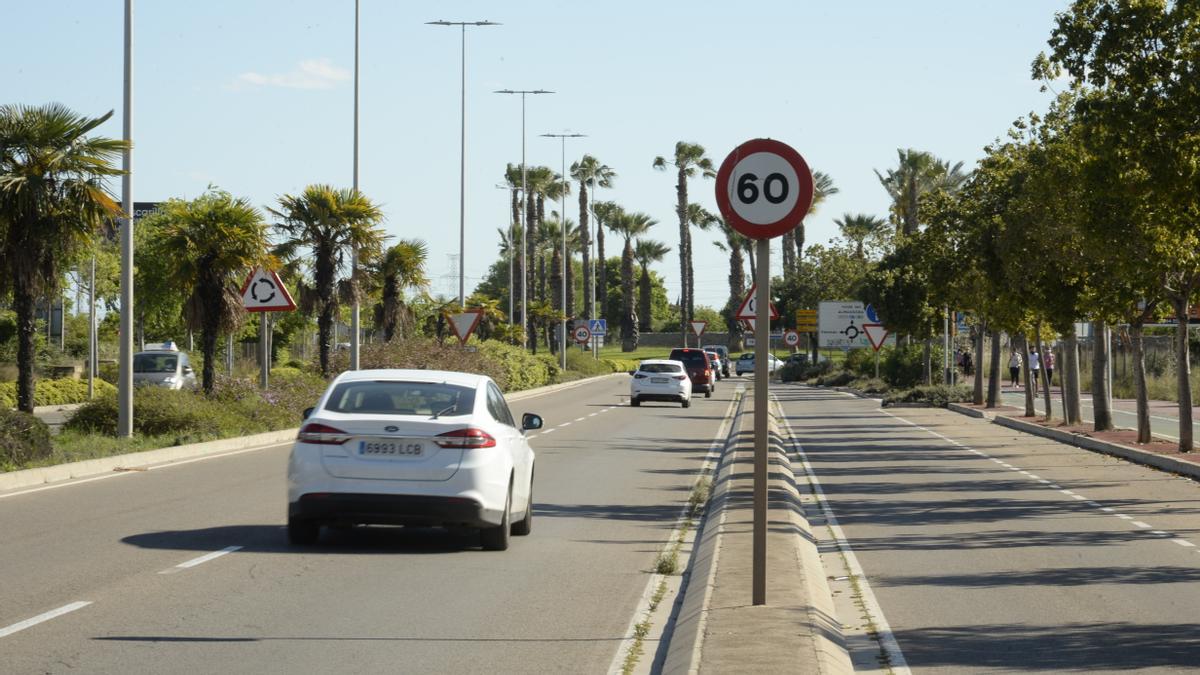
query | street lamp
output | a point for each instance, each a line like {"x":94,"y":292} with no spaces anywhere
{"x":355,"y":328}
{"x":125,"y":339}
{"x":524,"y":201}
{"x":562,"y":338}
{"x":462,"y":162}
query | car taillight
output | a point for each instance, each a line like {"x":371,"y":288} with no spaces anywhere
{"x":639,"y":376}
{"x":681,"y":377}
{"x":707,"y":372}
{"x":322,"y":434}
{"x":465,"y":438}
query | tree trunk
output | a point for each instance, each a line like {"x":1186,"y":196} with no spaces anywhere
{"x":798,"y":240}
{"x":325,"y":336}
{"x":1071,"y":378}
{"x":977,"y":392}
{"x":737,"y":290}
{"x":585,"y":240}
{"x":691,"y":285}
{"x":644,"y":304}
{"x":1045,"y":377}
{"x":601,"y":273}
{"x":789,"y":253}
{"x":23,"y":306}
{"x":628,"y":338}
{"x":556,"y":279}
{"x":993,"y":393}
{"x":927,"y":361}
{"x":1139,"y":382}
{"x":1101,"y":412}
{"x":684,"y":252}
{"x":1183,"y":373}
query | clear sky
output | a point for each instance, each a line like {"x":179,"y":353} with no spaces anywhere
{"x":255,"y":96}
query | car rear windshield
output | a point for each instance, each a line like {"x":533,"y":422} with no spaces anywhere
{"x":690,"y":357}
{"x":154,"y":363}
{"x":661,"y":368}
{"x":402,"y":398}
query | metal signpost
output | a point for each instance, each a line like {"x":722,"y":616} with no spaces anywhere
{"x":265,"y":292}
{"x":764,"y":189}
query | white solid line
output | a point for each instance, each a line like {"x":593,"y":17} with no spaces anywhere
{"x":1144,"y":526}
{"x":887,"y":639}
{"x":40,"y":618}
{"x":206,"y":557}
{"x":1184,"y":542}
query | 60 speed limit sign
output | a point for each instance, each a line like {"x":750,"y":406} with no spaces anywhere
{"x":764,"y":188}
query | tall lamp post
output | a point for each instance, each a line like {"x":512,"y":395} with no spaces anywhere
{"x":562,"y":336}
{"x":524,"y":201}
{"x":462,"y":161}
{"x":125,"y":367}
{"x":355,"y":328}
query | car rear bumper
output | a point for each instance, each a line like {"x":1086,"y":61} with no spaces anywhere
{"x":382,"y":509}
{"x":677,"y":396}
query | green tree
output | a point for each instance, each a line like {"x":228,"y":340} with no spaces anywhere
{"x":591,"y":174}
{"x":212,"y":241}
{"x":689,"y":160}
{"x":52,"y":205}
{"x":861,"y":229}
{"x":605,"y":213}
{"x":629,"y":226}
{"x":329,"y":224}
{"x":647,"y":251}
{"x":823,"y":188}
{"x":733,"y":246}
{"x":402,"y":266}
{"x":917,"y":173}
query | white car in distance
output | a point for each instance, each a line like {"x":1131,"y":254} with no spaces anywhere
{"x":660,"y":380}
{"x":412,"y":447}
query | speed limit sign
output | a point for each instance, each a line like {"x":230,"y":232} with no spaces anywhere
{"x":791,"y":338}
{"x":582,"y":334}
{"x":764,"y":188}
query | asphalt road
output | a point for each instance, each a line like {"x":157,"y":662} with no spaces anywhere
{"x":987,"y":550}
{"x":185,"y":568}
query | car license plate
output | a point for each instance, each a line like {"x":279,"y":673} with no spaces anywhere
{"x":659,"y":380}
{"x":389,"y":448}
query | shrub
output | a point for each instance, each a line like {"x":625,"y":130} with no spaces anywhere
{"x":621,"y":365}
{"x":792,"y":371}
{"x":838,"y":379}
{"x":54,"y":392}
{"x":23,"y":438}
{"x":583,"y":362}
{"x":861,"y":362}
{"x":185,"y":414}
{"x":938,"y":395}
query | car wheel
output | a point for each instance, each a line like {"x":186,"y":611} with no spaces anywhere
{"x":496,"y":538}
{"x":634,"y":402}
{"x":524,"y":526}
{"x":687,"y":403}
{"x":302,"y":532}
{"x":708,"y":394}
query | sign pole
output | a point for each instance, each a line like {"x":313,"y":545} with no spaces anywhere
{"x":762,"y":336}
{"x":264,"y":355}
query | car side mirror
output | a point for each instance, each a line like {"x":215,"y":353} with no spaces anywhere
{"x":529,"y":422}
{"x":187,"y":370}
{"x":307,"y":413}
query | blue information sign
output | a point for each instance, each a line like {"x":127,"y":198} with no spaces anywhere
{"x":598,"y":326}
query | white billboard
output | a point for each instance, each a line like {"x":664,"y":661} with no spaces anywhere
{"x":839,"y":325}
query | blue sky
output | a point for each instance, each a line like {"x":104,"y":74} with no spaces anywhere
{"x":255,"y":96}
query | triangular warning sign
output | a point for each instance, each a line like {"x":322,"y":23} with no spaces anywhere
{"x":264,"y":292}
{"x":698,"y":327}
{"x":749,"y":324}
{"x":464,"y":323}
{"x":747,"y":310}
{"x":876,"y":334}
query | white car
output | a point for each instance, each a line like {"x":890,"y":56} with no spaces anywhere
{"x":660,"y":380}
{"x":745,"y":364}
{"x":412,"y":447}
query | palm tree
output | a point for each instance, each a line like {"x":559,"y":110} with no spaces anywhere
{"x":734,"y":245}
{"x":860,"y":228}
{"x":699,"y":217}
{"x":329,"y":223}
{"x":211,"y":242}
{"x":646,"y":251}
{"x":629,"y":225}
{"x":606,"y":213}
{"x":512,"y":178}
{"x":918,"y":173}
{"x":52,"y":204}
{"x":689,"y":159}
{"x":401,"y":266}
{"x":537,"y":178}
{"x":591,"y":174}
{"x":823,"y":187}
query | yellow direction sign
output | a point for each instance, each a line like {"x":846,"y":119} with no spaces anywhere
{"x":806,"y":320}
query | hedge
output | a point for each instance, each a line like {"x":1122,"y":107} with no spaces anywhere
{"x":54,"y":392}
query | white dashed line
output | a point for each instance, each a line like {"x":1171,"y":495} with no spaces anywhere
{"x":1184,"y":543}
{"x":593,"y":414}
{"x":1107,"y":509}
{"x":41,"y":618}
{"x":1043,"y":480}
{"x":1027,"y":473}
{"x":1066,"y":492}
{"x":565,"y":424}
{"x":1056,"y":486}
{"x":1080,"y":498}
{"x":1122,"y":516}
{"x":580,"y":419}
{"x":548,"y":431}
{"x":1144,"y":526}
{"x":202,"y":559}
{"x":1158,"y":532}
{"x":1091,"y":503}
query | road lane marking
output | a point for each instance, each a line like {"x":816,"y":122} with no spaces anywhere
{"x":202,"y":559}
{"x":1144,"y":526}
{"x":580,"y":419}
{"x":1055,"y":486}
{"x":548,"y":431}
{"x":1043,"y":480}
{"x":1122,"y":516}
{"x":883,"y":630}
{"x":41,"y":618}
{"x":1091,"y":503}
{"x":593,"y":414}
{"x":1159,"y":533}
{"x":1184,"y":542}
{"x":1080,"y":498}
{"x":1066,"y":492}
{"x":1107,"y":509}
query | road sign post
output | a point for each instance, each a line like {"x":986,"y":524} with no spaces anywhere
{"x":464,"y":323}
{"x":264,"y":292}
{"x":764,"y":190}
{"x":582,"y":334}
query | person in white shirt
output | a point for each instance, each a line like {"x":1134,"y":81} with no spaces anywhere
{"x":1035,"y":364}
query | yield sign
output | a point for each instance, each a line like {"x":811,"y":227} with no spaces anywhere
{"x":264,"y":292}
{"x":698,"y":327}
{"x":876,"y":333}
{"x":464,"y":323}
{"x":748,"y":309}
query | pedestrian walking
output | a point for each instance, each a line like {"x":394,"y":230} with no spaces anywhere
{"x":1035,"y":364}
{"x":967,"y":366}
{"x":1048,"y":364}
{"x":1014,"y":368}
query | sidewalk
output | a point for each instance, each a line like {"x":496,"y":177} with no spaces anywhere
{"x":718,"y":629}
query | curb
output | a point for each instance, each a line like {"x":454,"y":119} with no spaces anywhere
{"x":1135,"y":455}
{"x":970,"y":412}
{"x":137,"y":460}
{"x":687,"y":635}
